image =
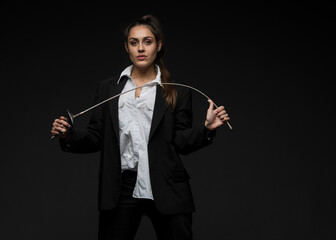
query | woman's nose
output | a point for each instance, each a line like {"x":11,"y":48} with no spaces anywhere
{"x":141,"y":48}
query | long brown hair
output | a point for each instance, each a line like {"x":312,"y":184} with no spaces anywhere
{"x":153,"y":24}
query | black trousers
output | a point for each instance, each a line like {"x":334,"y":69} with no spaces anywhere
{"x":123,"y":221}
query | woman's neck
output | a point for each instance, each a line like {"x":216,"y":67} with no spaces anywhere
{"x":143,"y":75}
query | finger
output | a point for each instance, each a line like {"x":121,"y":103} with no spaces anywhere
{"x":223,"y":116}
{"x":59,"y":129}
{"x":219,"y":109}
{"x":54,"y":133}
{"x":62,"y":122}
{"x":58,"y":134}
{"x":221,"y":113}
{"x":211,"y":106}
{"x":225,"y":119}
{"x":59,"y":121}
{"x":58,"y":125}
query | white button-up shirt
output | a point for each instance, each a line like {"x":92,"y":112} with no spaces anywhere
{"x":135,"y":119}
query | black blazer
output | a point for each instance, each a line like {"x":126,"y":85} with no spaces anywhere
{"x":172,"y":133}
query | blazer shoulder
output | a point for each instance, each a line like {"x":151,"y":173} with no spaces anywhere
{"x":103,"y":86}
{"x":181,"y":90}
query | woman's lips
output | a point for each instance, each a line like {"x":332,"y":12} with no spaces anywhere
{"x":141,"y":57}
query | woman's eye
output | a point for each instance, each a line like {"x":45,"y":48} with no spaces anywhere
{"x":148,"y":42}
{"x":133,"y":43}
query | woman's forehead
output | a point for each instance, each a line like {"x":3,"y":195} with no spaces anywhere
{"x":140,"y":32}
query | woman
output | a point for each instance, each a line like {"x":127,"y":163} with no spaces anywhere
{"x":141,"y":135}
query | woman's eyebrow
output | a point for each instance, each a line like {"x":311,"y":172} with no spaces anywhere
{"x":144,"y":38}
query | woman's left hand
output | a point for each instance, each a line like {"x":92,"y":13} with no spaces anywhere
{"x":215,"y":117}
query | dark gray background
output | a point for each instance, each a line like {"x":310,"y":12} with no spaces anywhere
{"x":272,"y":177}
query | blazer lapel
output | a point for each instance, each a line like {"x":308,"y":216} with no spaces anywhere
{"x":114,"y":90}
{"x":159,"y":110}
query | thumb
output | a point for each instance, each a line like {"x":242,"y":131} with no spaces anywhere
{"x":211,"y":106}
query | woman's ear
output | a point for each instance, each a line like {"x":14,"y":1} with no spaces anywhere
{"x":159,"y":46}
{"x":126,"y":47}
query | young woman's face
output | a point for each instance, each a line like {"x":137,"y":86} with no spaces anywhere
{"x":142,"y":46}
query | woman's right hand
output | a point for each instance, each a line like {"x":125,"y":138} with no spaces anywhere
{"x":60,"y":128}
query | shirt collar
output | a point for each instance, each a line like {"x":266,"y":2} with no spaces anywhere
{"x":127,"y":72}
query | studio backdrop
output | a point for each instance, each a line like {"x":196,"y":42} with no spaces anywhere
{"x":271,"y":177}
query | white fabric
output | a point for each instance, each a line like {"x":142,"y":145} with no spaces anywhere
{"x":135,"y":118}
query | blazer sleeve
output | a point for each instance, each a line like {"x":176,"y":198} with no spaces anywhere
{"x":188,"y":137}
{"x":89,"y":139}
